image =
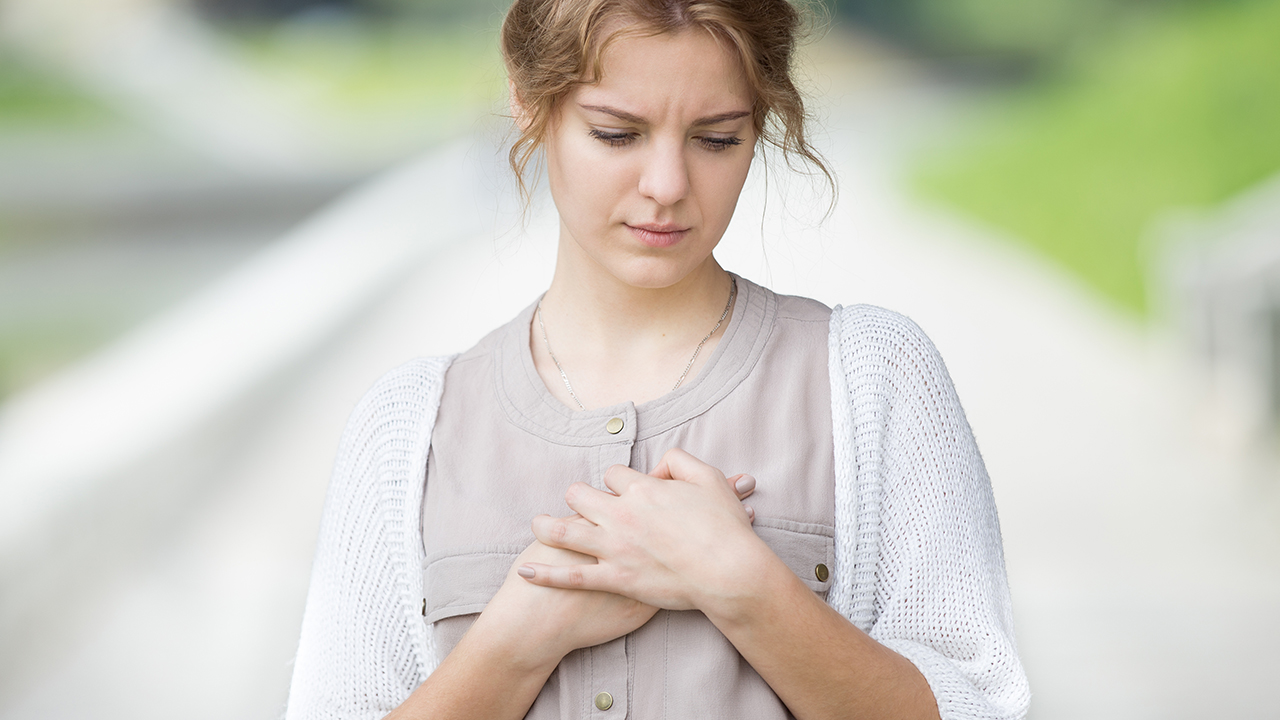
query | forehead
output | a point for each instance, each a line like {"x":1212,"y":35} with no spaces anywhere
{"x":687,"y":73}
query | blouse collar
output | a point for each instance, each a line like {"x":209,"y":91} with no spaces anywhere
{"x":529,"y":405}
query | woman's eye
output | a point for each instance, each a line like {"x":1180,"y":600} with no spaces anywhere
{"x":719,"y":143}
{"x":612,"y":139}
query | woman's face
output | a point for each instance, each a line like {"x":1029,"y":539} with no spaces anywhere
{"x":646,"y":166}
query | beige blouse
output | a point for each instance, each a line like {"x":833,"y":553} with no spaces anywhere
{"x":504,"y":450}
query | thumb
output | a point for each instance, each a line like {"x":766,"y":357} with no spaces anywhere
{"x":676,"y":464}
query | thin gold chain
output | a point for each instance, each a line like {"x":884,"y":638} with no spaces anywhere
{"x":552,"y":353}
{"x":733,"y":292}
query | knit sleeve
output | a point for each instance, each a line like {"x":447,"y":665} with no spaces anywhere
{"x":363,"y":644}
{"x":926,"y":575}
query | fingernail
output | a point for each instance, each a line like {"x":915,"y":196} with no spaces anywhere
{"x":745,"y":484}
{"x":525,"y":571}
{"x":751,"y":513}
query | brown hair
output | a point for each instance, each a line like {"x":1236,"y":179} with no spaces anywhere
{"x":551,"y":46}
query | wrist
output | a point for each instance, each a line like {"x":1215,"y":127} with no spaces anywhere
{"x":516,"y":645}
{"x":747,"y":587}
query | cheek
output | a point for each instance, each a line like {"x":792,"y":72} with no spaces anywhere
{"x":586,"y":183}
{"x":721,"y":184}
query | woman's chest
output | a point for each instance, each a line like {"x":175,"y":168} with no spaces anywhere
{"x":488,"y":477}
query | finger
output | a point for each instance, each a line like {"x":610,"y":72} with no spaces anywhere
{"x":569,"y":577}
{"x":751,"y":512}
{"x":743,"y":485}
{"x":567,"y":534}
{"x":619,"y":477}
{"x":680,"y":465}
{"x":588,"y":502}
{"x":661,"y":471}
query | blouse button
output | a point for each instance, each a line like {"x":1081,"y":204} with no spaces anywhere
{"x":614,"y":427}
{"x":821,"y":572}
{"x":604,"y":700}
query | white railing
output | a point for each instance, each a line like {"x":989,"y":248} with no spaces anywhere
{"x":79,"y":471}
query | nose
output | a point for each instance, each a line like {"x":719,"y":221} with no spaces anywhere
{"x":665,"y":175}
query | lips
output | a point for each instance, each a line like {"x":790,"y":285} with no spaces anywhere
{"x":658,"y":235}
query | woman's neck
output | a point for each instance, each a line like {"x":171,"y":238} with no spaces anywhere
{"x":618,"y":342}
{"x":607,"y":311}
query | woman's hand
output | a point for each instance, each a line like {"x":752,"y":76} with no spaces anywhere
{"x":546,"y":622}
{"x":678,"y":539}
{"x":502,"y":662}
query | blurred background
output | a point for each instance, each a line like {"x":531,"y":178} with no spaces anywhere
{"x":222,"y":220}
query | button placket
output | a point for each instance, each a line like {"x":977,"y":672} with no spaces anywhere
{"x":607,"y":697}
{"x":619,"y":433}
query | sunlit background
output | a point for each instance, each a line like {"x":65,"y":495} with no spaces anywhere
{"x":222,"y":220}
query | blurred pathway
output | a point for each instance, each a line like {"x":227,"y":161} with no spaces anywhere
{"x":1145,"y":567}
{"x":1144,"y":556}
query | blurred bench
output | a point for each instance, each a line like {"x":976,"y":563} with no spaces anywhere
{"x":1221,"y":291}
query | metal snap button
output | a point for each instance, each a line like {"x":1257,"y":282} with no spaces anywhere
{"x":614,"y":426}
{"x":604,"y":700}
{"x":821,"y":572}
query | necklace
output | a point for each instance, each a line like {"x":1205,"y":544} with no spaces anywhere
{"x":733,"y":292}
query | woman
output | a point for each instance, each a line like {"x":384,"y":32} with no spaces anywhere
{"x":576,"y":548}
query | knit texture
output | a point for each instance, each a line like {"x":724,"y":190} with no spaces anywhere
{"x":919,"y":561}
{"x":364,"y":646}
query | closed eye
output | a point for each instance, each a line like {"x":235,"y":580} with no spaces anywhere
{"x":612,"y":139}
{"x":717,"y":144}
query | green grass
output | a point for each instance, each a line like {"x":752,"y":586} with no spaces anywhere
{"x":1177,"y":111}
{"x":31,"y":350}
{"x":31,"y":96}
{"x":368,"y":74}
{"x":38,"y":99}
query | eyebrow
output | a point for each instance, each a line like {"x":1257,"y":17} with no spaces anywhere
{"x":700,"y":122}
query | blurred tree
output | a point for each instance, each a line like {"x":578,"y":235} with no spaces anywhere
{"x":442,"y":8}
{"x":1015,"y":34}
{"x":1025,"y":29}
{"x":271,"y":9}
{"x":435,"y":10}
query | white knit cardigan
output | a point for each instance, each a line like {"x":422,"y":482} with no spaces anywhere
{"x":919,"y":563}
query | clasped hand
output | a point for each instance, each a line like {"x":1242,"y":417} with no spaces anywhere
{"x":678,"y":538}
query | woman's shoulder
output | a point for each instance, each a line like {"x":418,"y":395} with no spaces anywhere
{"x":854,"y":323}
{"x":885,"y":354}
{"x":411,"y":378}
{"x":801,"y":309}
{"x":870,"y":331}
{"x":861,"y":335}
{"x":401,"y":398}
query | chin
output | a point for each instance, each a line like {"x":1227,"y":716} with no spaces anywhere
{"x":654,"y":273}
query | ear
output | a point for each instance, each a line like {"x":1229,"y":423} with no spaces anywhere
{"x":518,"y":112}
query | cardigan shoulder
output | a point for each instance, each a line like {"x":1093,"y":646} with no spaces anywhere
{"x":363,"y":646}
{"x":399,"y":408}
{"x":886,"y":345}
{"x":924,"y":562}
{"x":873,"y":353}
{"x":393,"y":407}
